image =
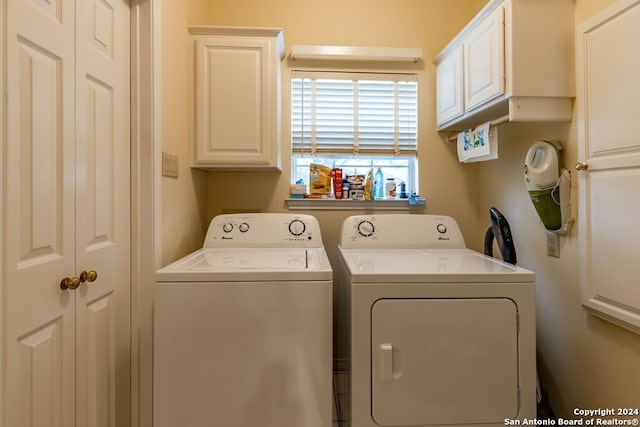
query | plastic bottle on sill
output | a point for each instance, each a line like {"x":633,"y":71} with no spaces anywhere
{"x":378,"y":185}
{"x":402,"y":193}
{"x":390,"y":188}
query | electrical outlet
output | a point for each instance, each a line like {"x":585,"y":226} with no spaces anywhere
{"x":553,"y":245}
{"x":169,"y":165}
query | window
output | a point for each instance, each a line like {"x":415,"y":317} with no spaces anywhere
{"x":355,"y":121}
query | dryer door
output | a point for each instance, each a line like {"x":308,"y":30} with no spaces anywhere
{"x":444,"y":361}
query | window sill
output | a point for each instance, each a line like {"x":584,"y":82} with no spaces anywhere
{"x":348,"y":204}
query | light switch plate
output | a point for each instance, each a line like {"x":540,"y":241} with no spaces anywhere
{"x":169,"y":165}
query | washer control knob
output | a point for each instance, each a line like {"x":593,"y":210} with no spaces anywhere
{"x":366,"y":228}
{"x":441,"y":228}
{"x":297,"y":227}
{"x":244,"y":227}
{"x":227,"y":227}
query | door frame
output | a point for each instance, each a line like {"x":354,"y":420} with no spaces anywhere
{"x":145,"y":200}
{"x":3,"y":139}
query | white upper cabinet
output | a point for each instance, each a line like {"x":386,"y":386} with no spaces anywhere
{"x":237,"y":97}
{"x":515,"y":59}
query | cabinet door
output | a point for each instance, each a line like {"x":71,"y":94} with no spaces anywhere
{"x":609,"y":190}
{"x":484,"y":61}
{"x":449,"y":86}
{"x":236,"y":102}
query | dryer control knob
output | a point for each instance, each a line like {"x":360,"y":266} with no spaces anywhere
{"x":244,"y":227}
{"x":297,"y":227}
{"x":366,"y":228}
{"x":227,"y":227}
{"x":441,"y":228}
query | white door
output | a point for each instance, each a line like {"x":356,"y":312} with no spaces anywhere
{"x":609,"y":147}
{"x":67,"y":210}
{"x":103,"y":212}
{"x":444,"y":361}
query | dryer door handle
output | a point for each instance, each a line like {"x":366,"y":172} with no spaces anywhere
{"x":385,"y":352}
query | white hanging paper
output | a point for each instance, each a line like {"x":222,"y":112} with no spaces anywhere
{"x":478,"y":144}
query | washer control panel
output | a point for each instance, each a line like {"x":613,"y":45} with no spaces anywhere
{"x":263,"y":231}
{"x":401,"y":231}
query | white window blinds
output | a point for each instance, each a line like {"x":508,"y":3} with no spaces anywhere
{"x":355,"y":113}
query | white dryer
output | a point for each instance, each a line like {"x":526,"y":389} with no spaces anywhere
{"x":436,"y":334}
{"x":243,"y":327}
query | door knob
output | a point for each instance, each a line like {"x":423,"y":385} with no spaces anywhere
{"x":71,"y":283}
{"x":88,"y":276}
{"x":582,"y":166}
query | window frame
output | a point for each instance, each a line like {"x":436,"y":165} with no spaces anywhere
{"x":411,"y":180}
{"x":301,"y":151}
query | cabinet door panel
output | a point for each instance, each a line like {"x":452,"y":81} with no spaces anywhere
{"x":484,"y":61}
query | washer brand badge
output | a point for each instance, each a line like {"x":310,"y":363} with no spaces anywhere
{"x":443,"y":238}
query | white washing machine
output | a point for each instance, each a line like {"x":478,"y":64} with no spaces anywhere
{"x":436,"y":334}
{"x":243,"y":327}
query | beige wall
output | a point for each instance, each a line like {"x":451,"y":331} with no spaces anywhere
{"x":584,"y":362}
{"x":407,"y":23}
{"x":183,"y":211}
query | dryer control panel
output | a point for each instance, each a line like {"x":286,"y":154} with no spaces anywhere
{"x":401,"y":231}
{"x":263,"y":231}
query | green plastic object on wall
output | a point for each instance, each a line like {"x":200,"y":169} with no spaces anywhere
{"x":542,"y":176}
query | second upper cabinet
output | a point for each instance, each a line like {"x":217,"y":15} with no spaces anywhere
{"x":515,"y":59}
{"x":484,"y":61}
{"x":237,"y":97}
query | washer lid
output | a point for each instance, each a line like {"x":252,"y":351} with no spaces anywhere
{"x":428,"y":265}
{"x":212,"y":264}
